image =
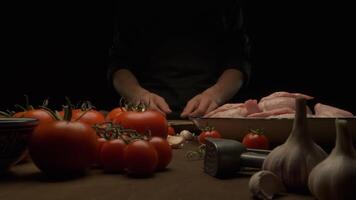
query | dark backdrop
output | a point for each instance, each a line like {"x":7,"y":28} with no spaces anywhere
{"x":58,"y":48}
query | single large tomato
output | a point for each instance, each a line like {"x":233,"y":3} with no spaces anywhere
{"x":208,"y":133}
{"x":141,"y":158}
{"x":112,"y":114}
{"x":164,"y":151}
{"x":144,"y":122}
{"x":112,"y":156}
{"x":255,"y":140}
{"x":62,"y":147}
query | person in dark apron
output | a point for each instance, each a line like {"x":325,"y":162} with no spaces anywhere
{"x":182,"y":58}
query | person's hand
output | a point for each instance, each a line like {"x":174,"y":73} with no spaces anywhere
{"x":201,"y":104}
{"x":152,"y":100}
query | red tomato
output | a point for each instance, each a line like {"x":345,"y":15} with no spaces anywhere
{"x":62,"y":147}
{"x":164,"y":151}
{"x":97,"y":162}
{"x":19,"y":114}
{"x":171,"y":130}
{"x":208,"y":133}
{"x":90,"y":117}
{"x":112,"y":156}
{"x":144,"y":122}
{"x":141,"y":158}
{"x":112,"y":114}
{"x":255,"y":140}
{"x":42,"y":115}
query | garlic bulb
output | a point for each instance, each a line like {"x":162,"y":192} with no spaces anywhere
{"x":335,"y":177}
{"x":187,"y":135}
{"x":293,"y":160}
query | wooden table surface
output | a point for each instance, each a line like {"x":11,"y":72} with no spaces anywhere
{"x":182,"y":180}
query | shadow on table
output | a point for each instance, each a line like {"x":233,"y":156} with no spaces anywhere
{"x":10,"y":176}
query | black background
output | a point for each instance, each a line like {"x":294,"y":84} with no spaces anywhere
{"x":59,"y":48}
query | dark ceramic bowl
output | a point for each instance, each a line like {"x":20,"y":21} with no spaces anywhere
{"x":14,"y":135}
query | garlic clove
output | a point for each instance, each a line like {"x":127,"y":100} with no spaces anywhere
{"x":265,"y":184}
{"x":187,"y":135}
{"x":175,"y":142}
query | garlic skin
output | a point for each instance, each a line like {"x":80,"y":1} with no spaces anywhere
{"x":176,"y":142}
{"x":335,"y":177}
{"x":295,"y":159}
{"x":265,"y":184}
{"x":187,"y":135}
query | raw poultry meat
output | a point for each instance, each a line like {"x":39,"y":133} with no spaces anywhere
{"x":274,"y":112}
{"x":235,"y":110}
{"x":279,"y":100}
{"x":275,"y":105}
{"x":322,"y":110}
{"x":286,"y":94}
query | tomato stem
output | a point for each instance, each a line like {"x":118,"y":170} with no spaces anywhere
{"x":67,"y":113}
{"x":20,"y":107}
{"x":45,"y":103}
{"x":55,"y":115}
{"x":27,"y":101}
{"x":5,"y":114}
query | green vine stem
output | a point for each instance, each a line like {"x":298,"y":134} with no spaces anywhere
{"x":197,"y":154}
{"x":111,"y":131}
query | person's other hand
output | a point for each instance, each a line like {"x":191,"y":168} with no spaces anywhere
{"x":201,"y":104}
{"x":152,"y":100}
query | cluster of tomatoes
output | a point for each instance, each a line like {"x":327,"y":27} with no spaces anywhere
{"x":125,"y":150}
{"x":67,"y":142}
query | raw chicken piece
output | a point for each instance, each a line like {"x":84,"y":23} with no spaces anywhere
{"x":252,"y":107}
{"x":224,"y":108}
{"x":275,"y":112}
{"x":279,"y":100}
{"x":322,"y":110}
{"x":276,"y":103}
{"x":286,"y":94}
{"x":235,"y":110}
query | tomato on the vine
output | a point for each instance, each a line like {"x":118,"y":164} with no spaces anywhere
{"x":112,"y":114}
{"x":209,"y":132}
{"x":90,"y":117}
{"x":255,"y":139}
{"x":149,"y":121}
{"x":112,"y":156}
{"x":63,"y":147}
{"x":141,"y":158}
{"x":96,"y":162}
{"x":42,"y":115}
{"x":28,"y":111}
{"x":164,"y":151}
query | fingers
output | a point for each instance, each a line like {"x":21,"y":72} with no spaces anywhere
{"x":201,"y":108}
{"x":205,"y":106}
{"x":157,"y":103}
{"x":161,"y":104}
{"x":190,"y":107}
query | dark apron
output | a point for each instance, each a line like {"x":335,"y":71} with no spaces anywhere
{"x":178,"y":55}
